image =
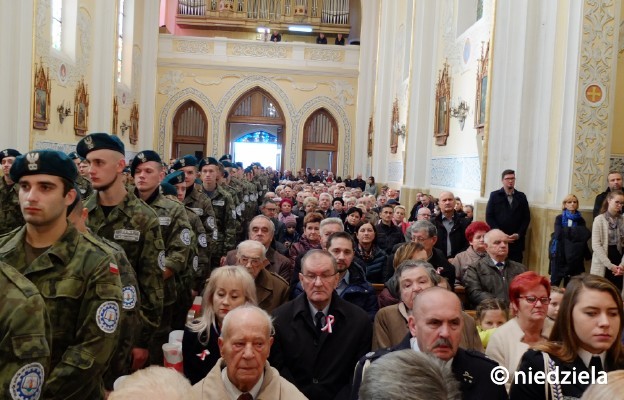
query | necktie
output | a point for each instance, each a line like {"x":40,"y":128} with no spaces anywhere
{"x":318,"y":320}
{"x":245,"y":396}
{"x":596,"y":362}
{"x":500,"y":266}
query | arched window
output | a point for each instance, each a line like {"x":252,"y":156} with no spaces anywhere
{"x":190,"y":130}
{"x":320,"y":141}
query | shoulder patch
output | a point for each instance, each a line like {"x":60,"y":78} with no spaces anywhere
{"x":210,"y":222}
{"x":107,"y":316}
{"x":129,"y":297}
{"x":27,"y":382}
{"x":161,"y":260}
{"x":203,"y":241}
{"x":195,"y":263}
{"x":185,"y":236}
{"x":113,"y":268}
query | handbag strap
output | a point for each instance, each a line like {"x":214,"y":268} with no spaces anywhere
{"x":552,"y":392}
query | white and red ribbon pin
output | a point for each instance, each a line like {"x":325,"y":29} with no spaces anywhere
{"x":203,"y":354}
{"x":329,"y":321}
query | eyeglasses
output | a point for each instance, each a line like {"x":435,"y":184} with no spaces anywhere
{"x":312,"y":278}
{"x":534,"y":299}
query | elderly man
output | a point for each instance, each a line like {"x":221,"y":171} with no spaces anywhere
{"x":261,"y":229}
{"x":325,"y":203}
{"x":508,"y":210}
{"x":271,"y":289}
{"x":435,"y":326}
{"x":318,"y":336}
{"x":614,"y":181}
{"x":243,"y":372}
{"x":451,"y":227}
{"x":490,"y":277}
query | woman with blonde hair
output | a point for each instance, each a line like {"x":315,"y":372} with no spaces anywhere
{"x":228,"y":287}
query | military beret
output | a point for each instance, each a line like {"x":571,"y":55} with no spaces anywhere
{"x":46,"y":162}
{"x":239,"y":164}
{"x":99,"y":141}
{"x":354,"y":209}
{"x":9,"y":153}
{"x":75,"y":156}
{"x":226,"y":174}
{"x":168,"y":189}
{"x":126,"y":170}
{"x":208,"y":161}
{"x":186,"y":161}
{"x":227,"y":157}
{"x":249,"y":170}
{"x":174,"y":178}
{"x":143,"y":157}
{"x":227,"y":164}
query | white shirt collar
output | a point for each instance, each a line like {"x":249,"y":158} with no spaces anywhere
{"x":233,"y":391}
{"x":314,"y":310}
{"x":586,"y":357}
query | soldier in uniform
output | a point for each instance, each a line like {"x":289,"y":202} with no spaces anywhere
{"x":77,"y":277}
{"x":224,"y":180}
{"x":129,"y":318}
{"x":27,"y":337}
{"x":147,"y":170}
{"x":10,"y":214}
{"x":195,"y":199}
{"x":84,"y":186}
{"x":119,"y":216}
{"x":225,"y":213}
{"x":201,"y":263}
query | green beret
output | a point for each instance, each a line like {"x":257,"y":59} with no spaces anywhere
{"x":99,"y":141}
{"x":44,"y":162}
{"x":9,"y":153}
{"x":227,"y":164}
{"x":174,"y":178}
{"x":227,"y":157}
{"x":186,"y":161}
{"x":75,"y":156}
{"x":168,"y":189}
{"x":208,"y":161}
{"x":143,"y":157}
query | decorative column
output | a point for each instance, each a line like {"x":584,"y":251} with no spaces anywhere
{"x":147,"y":76}
{"x":103,"y":65}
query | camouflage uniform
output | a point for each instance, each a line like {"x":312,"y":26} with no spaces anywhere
{"x":10,"y":212}
{"x":26,"y":336}
{"x":225,"y":217}
{"x":201,"y":269}
{"x":176,"y":233}
{"x":135,"y":227}
{"x":201,"y":205}
{"x":237,"y":210}
{"x":84,"y":186}
{"x":79,"y":282}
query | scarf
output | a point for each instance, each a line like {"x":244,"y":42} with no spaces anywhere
{"x":567,"y":216}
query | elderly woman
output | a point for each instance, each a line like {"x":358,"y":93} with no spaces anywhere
{"x":475,"y":234}
{"x":368,"y":255}
{"x":407,"y":251}
{"x":585,"y":339}
{"x":390,"y":326}
{"x":529,"y":298}
{"x":311,"y":238}
{"x":607,"y":236}
{"x":228,"y":287}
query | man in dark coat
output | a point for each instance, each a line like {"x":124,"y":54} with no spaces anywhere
{"x":614,"y":179}
{"x":471,"y":368}
{"x":319,"y":337}
{"x":451,"y":227}
{"x":508,"y":210}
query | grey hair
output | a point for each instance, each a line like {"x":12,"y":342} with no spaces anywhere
{"x":315,"y":254}
{"x":271,"y":224}
{"x":411,"y":264}
{"x":407,"y":373}
{"x":246,"y":308}
{"x":331,"y":221}
{"x":251,"y":245}
{"x":419,"y":226}
{"x":487,"y":238}
{"x":157,"y":383}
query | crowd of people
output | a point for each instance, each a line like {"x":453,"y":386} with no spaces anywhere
{"x":311,"y":286}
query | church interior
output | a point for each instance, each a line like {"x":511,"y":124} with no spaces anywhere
{"x":426,"y":96}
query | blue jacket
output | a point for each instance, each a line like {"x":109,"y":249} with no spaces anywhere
{"x":374,"y":266}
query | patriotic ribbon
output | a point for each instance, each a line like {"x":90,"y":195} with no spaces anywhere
{"x":203,"y":354}
{"x":329,"y":321}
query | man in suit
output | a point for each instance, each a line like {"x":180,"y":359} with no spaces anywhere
{"x":318,"y":336}
{"x":508,"y":210}
{"x":435,"y":326}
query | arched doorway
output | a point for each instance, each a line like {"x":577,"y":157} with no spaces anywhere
{"x":190,"y":131}
{"x":255,"y":127}
{"x":320,"y":141}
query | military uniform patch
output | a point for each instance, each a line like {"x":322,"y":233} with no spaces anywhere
{"x":161,"y":260}
{"x":127,"y":234}
{"x":198,"y":211}
{"x":129,"y":297}
{"x":233,"y":214}
{"x":210,"y":221}
{"x":165,"y":221}
{"x":27,"y":382}
{"x":185,"y":236}
{"x":203,"y":241}
{"x":107,"y":316}
{"x":218,"y":203}
{"x":215,"y":235}
{"x":246,"y":198}
{"x":113,"y":268}
{"x":195,"y":263}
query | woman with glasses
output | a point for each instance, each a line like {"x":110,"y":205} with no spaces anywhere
{"x":607,"y":237}
{"x":228,"y":287}
{"x":585,"y":340}
{"x":529,"y":296}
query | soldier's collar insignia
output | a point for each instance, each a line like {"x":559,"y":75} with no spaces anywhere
{"x":32,"y":159}
{"x":467,"y":377}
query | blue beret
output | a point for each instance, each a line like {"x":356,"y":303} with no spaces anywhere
{"x":249,"y":170}
{"x":168,"y":189}
{"x":99,"y":141}
{"x":186,"y":161}
{"x":228,"y":164}
{"x":143,"y":157}
{"x":227,"y":157}
{"x":239,"y":164}
{"x":44,"y":162}
{"x":9,"y":153}
{"x":174,"y":178}
{"x":208,"y":161}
